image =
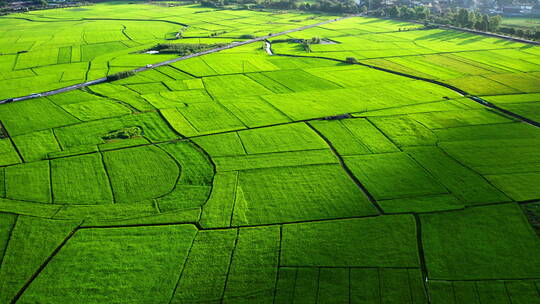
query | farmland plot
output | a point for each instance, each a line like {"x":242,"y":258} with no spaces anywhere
{"x":241,"y":177}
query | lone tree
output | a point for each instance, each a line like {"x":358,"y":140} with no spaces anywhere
{"x":351,"y":60}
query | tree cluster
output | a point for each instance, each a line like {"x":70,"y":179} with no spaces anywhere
{"x":458,"y":17}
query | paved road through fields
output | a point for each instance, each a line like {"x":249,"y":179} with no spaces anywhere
{"x":141,"y":69}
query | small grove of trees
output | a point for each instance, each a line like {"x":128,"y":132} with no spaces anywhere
{"x":183,"y":49}
{"x":405,"y":12}
{"x":473,"y":20}
{"x":120,"y":75}
{"x":529,"y":33}
{"x":125,"y":133}
{"x":306,"y":43}
{"x":457,"y":17}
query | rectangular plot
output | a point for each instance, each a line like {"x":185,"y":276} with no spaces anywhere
{"x":394,"y":285}
{"x":8,"y":154}
{"x":7,"y":222}
{"x":33,"y":240}
{"x":492,"y":292}
{"x":518,"y":186}
{"x":516,"y":130}
{"x":233,"y":85}
{"x":491,"y":156}
{"x":221,"y":145}
{"x":467,"y":185}
{"x":122,"y":93}
{"x":96,"y":109}
{"x":333,"y":285}
{"x":422,"y":204}
{"x":365,"y":285}
{"x":269,"y":83}
{"x":72,"y":97}
{"x":285,"y":288}
{"x":148,"y":88}
{"x":254,"y":265}
{"x":355,"y":76}
{"x":307,"y":282}
{"x":29,"y":182}
{"x":255,"y":112}
{"x":441,"y":292}
{"x":33,"y":115}
{"x":219,"y":207}
{"x":513,"y":98}
{"x":383,"y":241}
{"x":80,"y":180}
{"x":376,"y":141}
{"x":418,"y":290}
{"x":465,"y":292}
{"x":288,"y":194}
{"x":210,"y":118}
{"x":284,"y":159}
{"x":75,"y":53}
{"x":64,"y":54}
{"x":291,"y":137}
{"x":341,"y":138}
{"x":37,"y":57}
{"x":205,"y":272}
{"x":173,"y":73}
{"x":393,"y":175}
{"x":90,"y":51}
{"x":522,"y":292}
{"x":195,"y":66}
{"x":478,"y":85}
{"x":146,"y":251}
{"x":452,"y":119}
{"x":474,"y":244}
{"x":300,"y":80}
{"x":178,"y":122}
{"x":405,"y":131}
{"x":187,"y":97}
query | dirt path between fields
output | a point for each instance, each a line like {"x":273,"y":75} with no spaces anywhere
{"x":141,"y":69}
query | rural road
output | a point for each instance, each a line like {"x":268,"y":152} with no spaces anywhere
{"x":141,"y":69}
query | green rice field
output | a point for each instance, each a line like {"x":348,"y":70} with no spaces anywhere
{"x":246,"y":176}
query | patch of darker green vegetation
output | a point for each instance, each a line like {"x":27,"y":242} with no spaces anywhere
{"x":125,"y":133}
{"x":184,"y":49}
{"x":120,"y":75}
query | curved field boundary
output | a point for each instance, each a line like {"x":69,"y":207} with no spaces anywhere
{"x":141,"y":69}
